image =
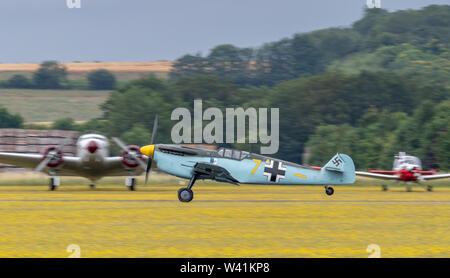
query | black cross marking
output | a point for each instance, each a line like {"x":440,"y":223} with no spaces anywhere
{"x":336,"y":161}
{"x":274,"y":171}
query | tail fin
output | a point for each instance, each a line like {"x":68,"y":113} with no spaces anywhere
{"x":340,"y":169}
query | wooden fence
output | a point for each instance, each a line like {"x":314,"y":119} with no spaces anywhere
{"x":35,"y":141}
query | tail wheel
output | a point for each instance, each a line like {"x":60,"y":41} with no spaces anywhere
{"x":384,"y":187}
{"x":329,"y":190}
{"x":429,"y":188}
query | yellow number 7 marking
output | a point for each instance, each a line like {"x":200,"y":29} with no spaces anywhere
{"x":257,"y":165}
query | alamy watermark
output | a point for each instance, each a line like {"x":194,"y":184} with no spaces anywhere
{"x":74,"y":250}
{"x":213,"y":132}
{"x":71,"y":4}
{"x":374,"y":250}
{"x":373,"y":4}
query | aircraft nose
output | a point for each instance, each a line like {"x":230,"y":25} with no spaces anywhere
{"x":148,"y":150}
{"x":92,"y":147}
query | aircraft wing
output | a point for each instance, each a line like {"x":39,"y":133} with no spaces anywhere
{"x":433,"y":177}
{"x":69,"y":167}
{"x":115,"y":167}
{"x":20,"y":159}
{"x":376,"y":175}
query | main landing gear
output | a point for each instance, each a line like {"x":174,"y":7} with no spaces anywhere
{"x":429,"y":188}
{"x":92,"y":186}
{"x":329,"y":190}
{"x":186,"y":194}
{"x":131,"y":182}
{"x":54,"y":182}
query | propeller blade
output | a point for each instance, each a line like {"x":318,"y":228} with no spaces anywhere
{"x":152,"y":141}
{"x":141,"y":163}
{"x":149,"y":167}
{"x":155,"y":127}
{"x":43,"y":163}
{"x":120,"y":144}
{"x":123,"y":147}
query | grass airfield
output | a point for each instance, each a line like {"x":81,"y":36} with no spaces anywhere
{"x":222,"y":221}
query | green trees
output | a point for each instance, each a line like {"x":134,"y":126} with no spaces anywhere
{"x":50,"y":75}
{"x":327,"y":100}
{"x":227,"y":61}
{"x":64,"y":124}
{"x":19,"y":81}
{"x":206,"y":87}
{"x":101,"y":80}
{"x":378,"y":136}
{"x":8,"y":120}
{"x":137,"y":103}
{"x":335,"y":98}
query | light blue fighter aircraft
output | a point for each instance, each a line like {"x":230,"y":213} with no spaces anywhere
{"x":236,"y":167}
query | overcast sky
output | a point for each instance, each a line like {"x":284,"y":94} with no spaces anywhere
{"x":152,"y":30}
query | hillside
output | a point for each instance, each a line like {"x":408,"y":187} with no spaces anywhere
{"x":407,"y":42}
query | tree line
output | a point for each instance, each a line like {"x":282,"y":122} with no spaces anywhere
{"x":53,"y":75}
{"x":334,"y":101}
{"x":370,"y":116}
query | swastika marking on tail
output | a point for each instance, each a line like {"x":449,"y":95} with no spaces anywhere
{"x":336,"y":161}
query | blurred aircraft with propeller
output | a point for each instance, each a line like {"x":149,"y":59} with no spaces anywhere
{"x":406,"y":169}
{"x":92,"y":161}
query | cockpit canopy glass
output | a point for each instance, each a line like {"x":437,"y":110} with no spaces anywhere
{"x":93,"y":136}
{"x":233,"y":154}
{"x":407,"y":160}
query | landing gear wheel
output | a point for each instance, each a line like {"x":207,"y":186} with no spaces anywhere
{"x":92,"y":186}
{"x":132,"y":185}
{"x":384,"y":187}
{"x":185,"y":195}
{"x":52,"y":184}
{"x":329,"y":190}
{"x":429,"y":188}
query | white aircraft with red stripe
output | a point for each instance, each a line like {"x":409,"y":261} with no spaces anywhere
{"x":92,"y":161}
{"x":406,"y":169}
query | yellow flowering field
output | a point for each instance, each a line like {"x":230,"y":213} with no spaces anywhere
{"x":223,"y":221}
